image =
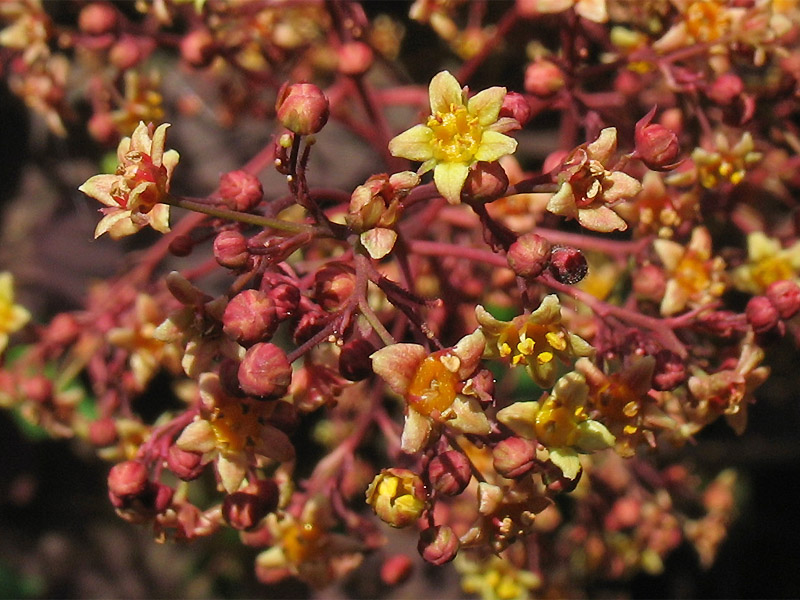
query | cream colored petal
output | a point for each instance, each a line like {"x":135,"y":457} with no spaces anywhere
{"x":603,"y":148}
{"x":563,"y":202}
{"x":416,"y":431}
{"x":169,"y":161}
{"x":232,"y":469}
{"x":449,"y":179}
{"x":413,"y":144}
{"x":601,"y":219}
{"x":141,"y":140}
{"x":548,"y":312}
{"x":553,"y":6}
{"x":469,"y":350}
{"x":494,"y":145}
{"x":444,"y":92}
{"x":117,"y":223}
{"x":159,"y":218}
{"x":397,"y":364}
{"x":593,"y":436}
{"x":198,"y":436}
{"x":593,"y":10}
{"x":623,"y":187}
{"x":486,"y":105}
{"x":567,"y":460}
{"x":670,"y":253}
{"x":469,"y":416}
{"x":674,"y":299}
{"x":159,"y":141}
{"x":378,"y":241}
{"x":99,"y":188}
{"x":520,"y":417}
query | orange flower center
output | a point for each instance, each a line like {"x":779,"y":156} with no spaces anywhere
{"x":692,"y":274}
{"x":433,"y":387}
{"x":618,"y":403}
{"x":555,"y":425}
{"x":706,"y":20}
{"x":456,"y":135}
{"x":237,"y":422}
{"x":302,"y":541}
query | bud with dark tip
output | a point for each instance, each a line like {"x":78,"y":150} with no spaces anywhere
{"x":449,"y":473}
{"x":568,"y":265}
{"x":240,"y":190}
{"x":514,"y":457}
{"x":265,"y":371}
{"x":250,"y":317}
{"x":302,"y":108}
{"x":438,"y":544}
{"x":230,"y":249}
{"x":529,"y":255}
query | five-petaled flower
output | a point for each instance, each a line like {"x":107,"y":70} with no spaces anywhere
{"x":12,"y":316}
{"x":134,"y":194}
{"x":437,"y":387}
{"x":459,"y":133}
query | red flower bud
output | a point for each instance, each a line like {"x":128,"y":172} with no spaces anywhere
{"x":761,"y":314}
{"x":334,"y":285}
{"x":656,"y":146}
{"x":449,"y":473}
{"x":37,"y":388}
{"x":529,"y":255}
{"x":185,"y":464}
{"x":516,"y":107}
{"x":265,"y":371}
{"x":101,"y":127}
{"x":103,"y":432}
{"x":354,"y":359}
{"x":485,"y":182}
{"x":513,"y":457}
{"x":396,"y":569}
{"x":127,"y":478}
{"x":650,"y":283}
{"x":355,"y":58}
{"x":309,"y":324}
{"x":198,"y":47}
{"x":250,"y":317}
{"x":726,"y":89}
{"x":126,"y":53}
{"x":240,"y":190}
{"x":285,"y":297}
{"x":244,"y":510}
{"x":181,"y":245}
{"x":543,"y":78}
{"x":302,"y":108}
{"x":63,"y":330}
{"x":438,"y":544}
{"x":97,"y":18}
{"x":568,"y":265}
{"x":230,"y":249}
{"x":785,"y":297}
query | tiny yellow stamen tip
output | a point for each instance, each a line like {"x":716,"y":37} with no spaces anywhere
{"x":544,"y":357}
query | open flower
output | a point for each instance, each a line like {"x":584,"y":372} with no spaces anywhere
{"x":588,"y":187}
{"x":767,"y":262}
{"x":459,"y":133}
{"x":534,"y":340}
{"x":437,"y":387}
{"x":12,"y":316}
{"x":134,"y":193}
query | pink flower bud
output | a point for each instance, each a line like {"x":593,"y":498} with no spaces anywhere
{"x":656,"y":146}
{"x":761,"y":314}
{"x":126,"y":53}
{"x":302,"y":108}
{"x":396,"y":569}
{"x":529,"y":255}
{"x":250,"y":317}
{"x":727,"y":88}
{"x":334,"y":285}
{"x":568,"y":265}
{"x":37,"y":388}
{"x":650,"y":283}
{"x":230,"y":249}
{"x":240,"y":190}
{"x":127,"y":478}
{"x":669,"y":372}
{"x":449,"y":473}
{"x":181,"y":245}
{"x":438,"y":544}
{"x":161,"y":496}
{"x":516,"y":107}
{"x":285,"y":297}
{"x":785,"y":297}
{"x":543,"y":78}
{"x":354,"y":359}
{"x":485,"y":182}
{"x":513,"y":457}
{"x":198,"y":47}
{"x":97,"y":18}
{"x":265,"y":371}
{"x":185,"y":464}
{"x":63,"y":330}
{"x":245,"y":509}
{"x":103,"y":432}
{"x":355,"y":58}
{"x":628,"y":83}
{"x":102,"y":128}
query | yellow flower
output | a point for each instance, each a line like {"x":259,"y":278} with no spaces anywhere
{"x":459,"y":133}
{"x":134,"y":193}
{"x":12,"y":316}
{"x":496,"y":578}
{"x":725,"y":163}
{"x":767,"y":263}
{"x":397,"y":496}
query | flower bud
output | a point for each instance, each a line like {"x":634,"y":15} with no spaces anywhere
{"x":513,"y":457}
{"x":309,"y":324}
{"x":285,"y":297}
{"x":568,"y":265}
{"x":63,"y":330}
{"x":230,"y":249}
{"x":37,"y":388}
{"x":354,"y":359}
{"x":485,"y":182}
{"x":126,"y":53}
{"x":355,"y":58}
{"x":265,"y":371}
{"x":181,"y":245}
{"x":97,"y":18}
{"x":302,"y":108}
{"x":761,"y":314}
{"x":785,"y":297}
{"x":240,"y":190}
{"x":516,"y":107}
{"x":669,"y":371}
{"x":245,"y":509}
{"x":449,"y":473}
{"x":185,"y":464}
{"x":438,"y":544}
{"x":656,"y":146}
{"x":543,"y":78}
{"x":250,"y":317}
{"x":727,"y":88}
{"x":529,"y":255}
{"x":397,"y":496}
{"x":396,"y":569}
{"x":102,"y":128}
{"x":103,"y":432}
{"x":650,"y":283}
{"x":127,"y":478}
{"x":334,"y":284}
{"x":198,"y":47}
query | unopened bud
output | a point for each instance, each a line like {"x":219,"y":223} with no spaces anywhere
{"x":308,"y":325}
{"x":198,"y":47}
{"x":285,"y":297}
{"x":185,"y":464}
{"x":449,"y":473}
{"x":785,"y":297}
{"x":529,"y":255}
{"x":127,"y":478}
{"x":354,"y":359}
{"x":97,"y":18}
{"x":396,"y":569}
{"x":761,"y":314}
{"x":181,"y":245}
{"x":334,"y":284}
{"x":656,"y":146}
{"x":265,"y":371}
{"x":543,"y":78}
{"x":514,"y":456}
{"x":126,"y":53}
{"x":438,"y":544}
{"x":240,"y":190}
{"x":103,"y":432}
{"x":64,"y":329}
{"x":568,"y":265}
{"x":230,"y":249}
{"x":727,"y":88}
{"x":102,"y":128}
{"x":37,"y":388}
{"x":485,"y":182}
{"x":650,"y":283}
{"x":515,"y":106}
{"x":302,"y":108}
{"x":355,"y":58}
{"x":250,"y":317}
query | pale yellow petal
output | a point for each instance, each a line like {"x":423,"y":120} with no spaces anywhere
{"x":449,"y":179}
{"x":444,"y":92}
{"x":413,"y":144}
{"x":99,"y":188}
{"x":494,"y":145}
{"x":486,"y":105}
